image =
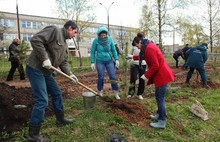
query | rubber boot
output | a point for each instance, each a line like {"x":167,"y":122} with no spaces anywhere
{"x":116,"y":95}
{"x":159,"y":124}
{"x":205,"y":85}
{"x":187,"y":82}
{"x":34,"y":135}
{"x":60,"y":120}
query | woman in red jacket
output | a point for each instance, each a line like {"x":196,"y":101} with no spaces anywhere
{"x":159,"y":74}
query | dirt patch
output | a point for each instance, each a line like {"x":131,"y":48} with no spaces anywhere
{"x":19,"y":93}
{"x":131,"y":111}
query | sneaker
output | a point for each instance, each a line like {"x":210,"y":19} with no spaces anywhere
{"x":154,"y":117}
{"x":100,"y":93}
{"x":129,"y":96}
{"x":159,"y":124}
{"x":116,"y":95}
{"x":140,"y":97}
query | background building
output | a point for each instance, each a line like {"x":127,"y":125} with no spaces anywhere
{"x":30,"y":24}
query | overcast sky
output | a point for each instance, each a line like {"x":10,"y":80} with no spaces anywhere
{"x":122,"y":12}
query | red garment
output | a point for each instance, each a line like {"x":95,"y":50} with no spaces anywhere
{"x":158,"y":73}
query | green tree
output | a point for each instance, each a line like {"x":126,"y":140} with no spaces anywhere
{"x":193,"y":34}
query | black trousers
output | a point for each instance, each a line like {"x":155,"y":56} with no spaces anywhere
{"x":14,"y":66}
{"x":177,"y":60}
{"x":135,"y":72}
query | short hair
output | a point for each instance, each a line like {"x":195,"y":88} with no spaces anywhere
{"x":70,"y":23}
{"x":136,"y":40}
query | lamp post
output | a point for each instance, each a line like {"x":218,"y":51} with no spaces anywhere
{"x":107,"y":10}
{"x":19,"y":33}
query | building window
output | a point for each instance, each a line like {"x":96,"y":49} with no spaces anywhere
{"x":31,"y":25}
{"x":26,"y":37}
{"x":9,"y":36}
{"x":7,"y":22}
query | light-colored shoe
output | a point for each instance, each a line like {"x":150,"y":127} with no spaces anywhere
{"x":154,"y":117}
{"x":159,"y":124}
{"x":116,"y":95}
{"x":129,"y":96}
{"x":140,"y":97}
{"x":100,"y":93}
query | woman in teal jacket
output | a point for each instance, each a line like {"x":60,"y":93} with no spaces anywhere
{"x":196,"y":58}
{"x":103,"y":53}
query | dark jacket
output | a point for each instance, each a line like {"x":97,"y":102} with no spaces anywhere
{"x":13,"y":52}
{"x":178,"y":53}
{"x":49,"y":43}
{"x":197,"y":56}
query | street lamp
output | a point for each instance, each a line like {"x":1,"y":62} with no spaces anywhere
{"x":107,"y":10}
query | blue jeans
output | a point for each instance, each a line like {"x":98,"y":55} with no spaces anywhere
{"x":41,"y":86}
{"x":109,"y":65}
{"x":160,"y":93}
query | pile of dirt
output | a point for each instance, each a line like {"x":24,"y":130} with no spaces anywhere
{"x":15,"y":108}
{"x":131,"y":111}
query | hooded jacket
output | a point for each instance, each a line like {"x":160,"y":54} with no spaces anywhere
{"x":101,"y":53}
{"x":197,"y":56}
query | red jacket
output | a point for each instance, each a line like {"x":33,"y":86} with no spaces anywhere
{"x":158,"y":73}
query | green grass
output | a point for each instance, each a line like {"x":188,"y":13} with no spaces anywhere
{"x":98,"y":124}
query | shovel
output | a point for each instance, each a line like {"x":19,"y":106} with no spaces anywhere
{"x":105,"y":98}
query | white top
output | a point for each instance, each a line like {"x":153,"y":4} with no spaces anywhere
{"x":135,"y":51}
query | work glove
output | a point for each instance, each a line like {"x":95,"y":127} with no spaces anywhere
{"x":93,"y":66}
{"x":129,"y":57}
{"x":74,"y":78}
{"x":144,"y":78}
{"x":117,"y":64}
{"x":47,"y":64}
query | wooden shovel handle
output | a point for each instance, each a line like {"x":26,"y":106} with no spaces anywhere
{"x":67,"y":76}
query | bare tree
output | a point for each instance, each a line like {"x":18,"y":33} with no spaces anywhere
{"x":2,"y":27}
{"x":213,"y":18}
{"x":79,"y":11}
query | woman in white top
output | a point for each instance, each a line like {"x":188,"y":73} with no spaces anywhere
{"x":136,"y":70}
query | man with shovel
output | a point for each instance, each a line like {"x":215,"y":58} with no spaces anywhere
{"x":49,"y":50}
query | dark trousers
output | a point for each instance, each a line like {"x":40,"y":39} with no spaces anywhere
{"x":200,"y":70}
{"x":134,"y":72}
{"x":14,"y":66}
{"x":177,"y":60}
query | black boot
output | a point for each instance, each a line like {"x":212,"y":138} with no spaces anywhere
{"x":187,"y":81}
{"x":205,"y":85}
{"x":60,"y":120}
{"x":34,"y":135}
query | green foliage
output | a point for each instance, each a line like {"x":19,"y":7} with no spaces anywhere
{"x":23,"y":49}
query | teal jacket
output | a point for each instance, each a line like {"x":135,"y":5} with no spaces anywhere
{"x":101,"y":53}
{"x":196,"y":57}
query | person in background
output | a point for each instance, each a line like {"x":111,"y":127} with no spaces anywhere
{"x":159,"y":74}
{"x":15,"y":60}
{"x":176,"y":55}
{"x":185,"y":49}
{"x":117,"y":49}
{"x":136,"y":70}
{"x":197,"y":56}
{"x":103,"y":52}
{"x":49,"y":49}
